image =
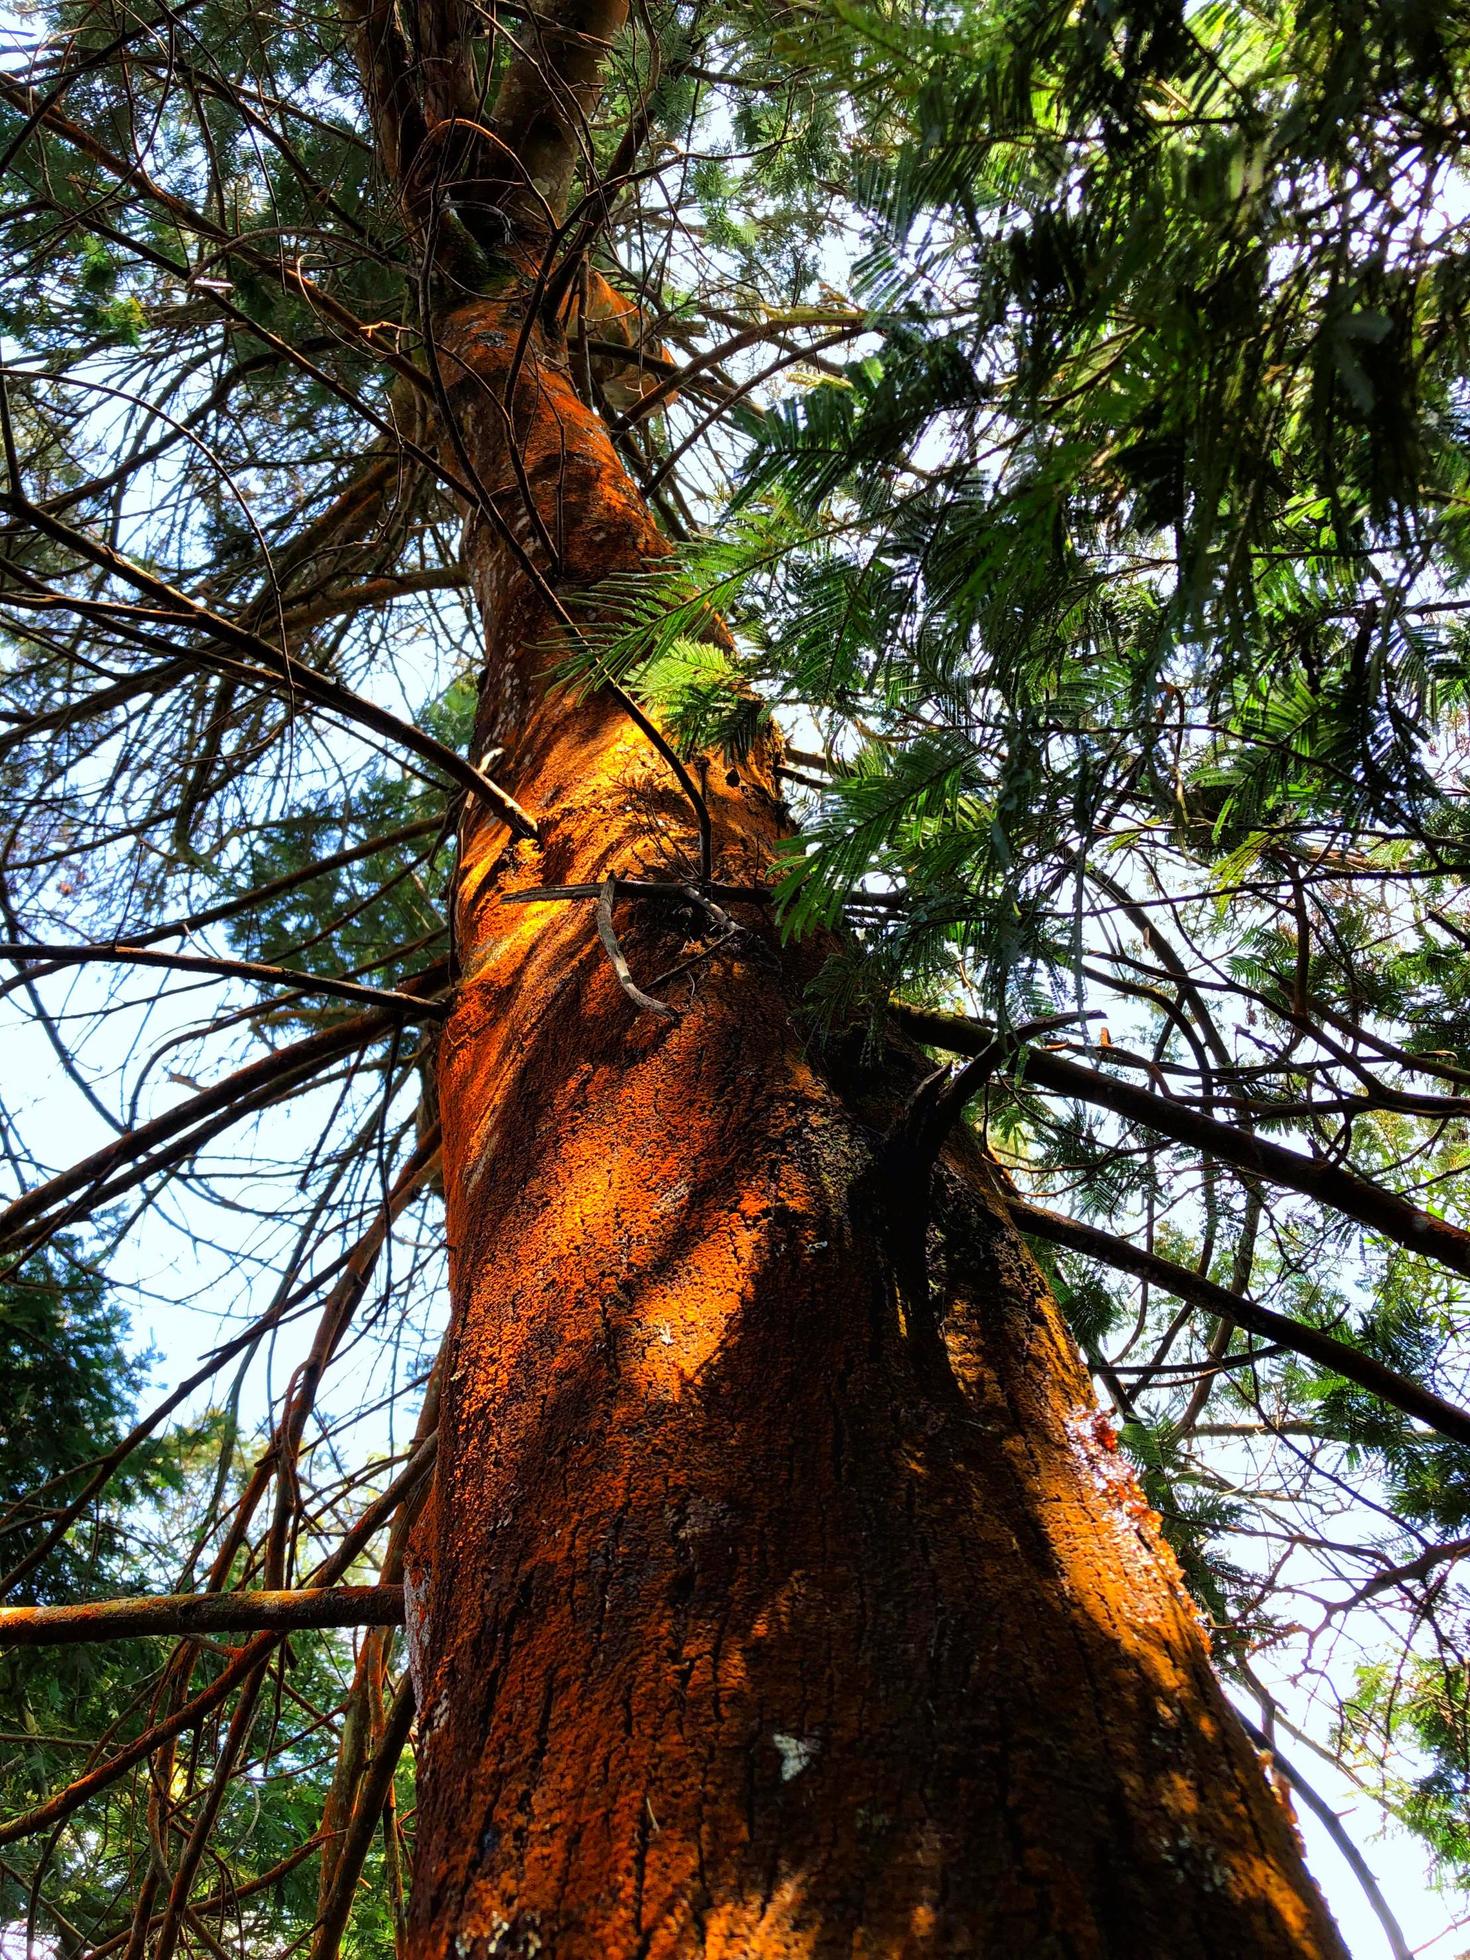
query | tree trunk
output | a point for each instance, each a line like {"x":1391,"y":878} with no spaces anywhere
{"x":758,"y":1610}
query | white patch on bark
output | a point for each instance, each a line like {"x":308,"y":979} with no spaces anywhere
{"x":797,"y":1752}
{"x":416,"y":1632}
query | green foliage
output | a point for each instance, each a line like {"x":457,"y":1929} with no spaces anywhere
{"x":1424,"y":1711}
{"x":1169,"y":349}
{"x":70,"y":1384}
{"x":380,"y":918}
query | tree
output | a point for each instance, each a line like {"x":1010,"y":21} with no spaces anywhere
{"x":771,"y":1578}
{"x":70,"y":1385}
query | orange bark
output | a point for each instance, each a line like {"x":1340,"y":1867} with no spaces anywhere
{"x":754,"y":1614}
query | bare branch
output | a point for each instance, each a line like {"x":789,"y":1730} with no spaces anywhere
{"x":200,"y":1615}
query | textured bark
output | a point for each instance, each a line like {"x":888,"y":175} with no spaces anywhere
{"x":758,"y":1612}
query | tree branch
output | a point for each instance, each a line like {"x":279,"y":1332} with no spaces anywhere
{"x":52,"y":957}
{"x":376,"y":1787}
{"x":129,"y":1153}
{"x":266,"y":662}
{"x":55,"y":1809}
{"x":1349,"y":1362}
{"x":1332,"y":1824}
{"x":1343,"y":1190}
